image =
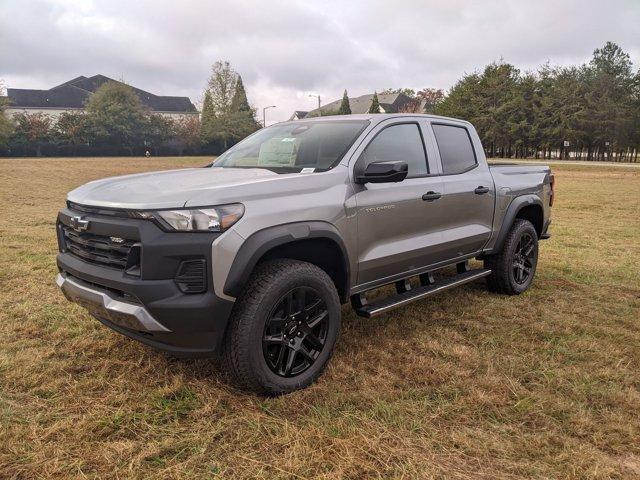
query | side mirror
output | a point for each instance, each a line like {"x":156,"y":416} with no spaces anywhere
{"x":383,"y":172}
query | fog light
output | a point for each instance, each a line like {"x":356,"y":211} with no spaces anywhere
{"x":192,"y":276}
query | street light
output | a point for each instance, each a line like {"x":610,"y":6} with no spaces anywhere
{"x":318,"y":97}
{"x":264,"y":117}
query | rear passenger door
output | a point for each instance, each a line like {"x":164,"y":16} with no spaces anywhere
{"x":468,"y":189}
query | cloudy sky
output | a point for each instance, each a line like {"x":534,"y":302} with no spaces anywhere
{"x":286,"y":50}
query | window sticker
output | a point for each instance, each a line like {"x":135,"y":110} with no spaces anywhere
{"x":278,"y":152}
{"x":307,"y":170}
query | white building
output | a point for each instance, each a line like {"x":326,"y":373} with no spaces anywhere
{"x":73,"y":96}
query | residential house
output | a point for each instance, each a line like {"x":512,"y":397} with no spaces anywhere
{"x":389,"y":103}
{"x":74,"y":94}
{"x":298,"y":114}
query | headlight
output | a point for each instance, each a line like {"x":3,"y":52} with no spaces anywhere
{"x":206,"y":219}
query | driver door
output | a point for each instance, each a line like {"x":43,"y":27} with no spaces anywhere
{"x":399,"y":225}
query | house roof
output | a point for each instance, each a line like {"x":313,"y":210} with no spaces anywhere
{"x":390,"y":102}
{"x":75,"y":93}
{"x":298,"y":114}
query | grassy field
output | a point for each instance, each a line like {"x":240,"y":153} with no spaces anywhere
{"x":467,"y":385}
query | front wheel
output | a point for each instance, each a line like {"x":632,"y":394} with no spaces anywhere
{"x":283,"y":328}
{"x":513,"y":268}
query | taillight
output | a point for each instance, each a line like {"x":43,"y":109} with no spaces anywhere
{"x":552,"y":182}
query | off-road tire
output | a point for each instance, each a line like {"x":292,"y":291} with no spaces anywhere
{"x":502,"y":278}
{"x":243,"y":357}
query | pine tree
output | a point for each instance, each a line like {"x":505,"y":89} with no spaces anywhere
{"x":611,"y":84}
{"x":375,"y":105}
{"x":239,"y":102}
{"x":345,"y":108}
{"x":208,"y":118}
{"x":241,"y":119}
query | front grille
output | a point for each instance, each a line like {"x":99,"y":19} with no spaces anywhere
{"x":111,"y":212}
{"x":98,"y":249}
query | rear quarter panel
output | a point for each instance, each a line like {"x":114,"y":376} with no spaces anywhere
{"x":513,"y":181}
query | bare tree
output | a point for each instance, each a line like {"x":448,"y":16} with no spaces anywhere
{"x":413,"y":106}
{"x":430,"y":98}
{"x":222,"y":86}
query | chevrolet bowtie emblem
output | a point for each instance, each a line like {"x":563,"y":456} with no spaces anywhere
{"x":79,"y":224}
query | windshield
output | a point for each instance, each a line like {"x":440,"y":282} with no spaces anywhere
{"x":292,"y":147}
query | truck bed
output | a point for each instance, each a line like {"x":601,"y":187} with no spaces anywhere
{"x":518,"y":176}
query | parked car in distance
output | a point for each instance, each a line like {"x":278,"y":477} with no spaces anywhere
{"x":253,"y":255}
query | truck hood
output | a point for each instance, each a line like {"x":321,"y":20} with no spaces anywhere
{"x":165,"y":189}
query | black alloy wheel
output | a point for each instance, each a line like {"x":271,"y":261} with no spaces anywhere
{"x":514,"y":265}
{"x":283,"y":328}
{"x":524,"y":259}
{"x":295,"y":332}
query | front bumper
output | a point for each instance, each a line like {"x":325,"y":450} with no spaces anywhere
{"x":104,"y":304}
{"x":149,"y":305}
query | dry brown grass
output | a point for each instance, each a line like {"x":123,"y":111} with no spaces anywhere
{"x":468,"y":385}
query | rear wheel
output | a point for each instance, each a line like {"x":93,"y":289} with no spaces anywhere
{"x":513,"y":268}
{"x":283,"y":328}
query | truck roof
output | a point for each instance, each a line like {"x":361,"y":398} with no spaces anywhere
{"x":375,"y":117}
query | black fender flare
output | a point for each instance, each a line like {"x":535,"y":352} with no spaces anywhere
{"x":260,"y":242}
{"x":515,"y":206}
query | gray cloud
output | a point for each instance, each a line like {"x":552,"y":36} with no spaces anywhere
{"x":285,"y":49}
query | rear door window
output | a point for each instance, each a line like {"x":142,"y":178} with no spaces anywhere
{"x":456,"y":151}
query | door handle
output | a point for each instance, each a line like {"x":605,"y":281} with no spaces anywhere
{"x":431,"y":196}
{"x":481,"y":190}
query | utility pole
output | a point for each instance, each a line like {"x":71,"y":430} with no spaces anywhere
{"x":318,"y":97}
{"x":264,"y":115}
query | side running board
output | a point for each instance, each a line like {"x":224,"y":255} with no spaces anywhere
{"x":427,"y":289}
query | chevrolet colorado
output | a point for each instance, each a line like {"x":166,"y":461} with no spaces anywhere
{"x":253,"y":254}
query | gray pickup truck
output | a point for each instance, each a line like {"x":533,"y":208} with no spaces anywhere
{"x":253,"y":255}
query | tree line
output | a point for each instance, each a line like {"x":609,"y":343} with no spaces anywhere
{"x":115,"y":121}
{"x":590,"y":111}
